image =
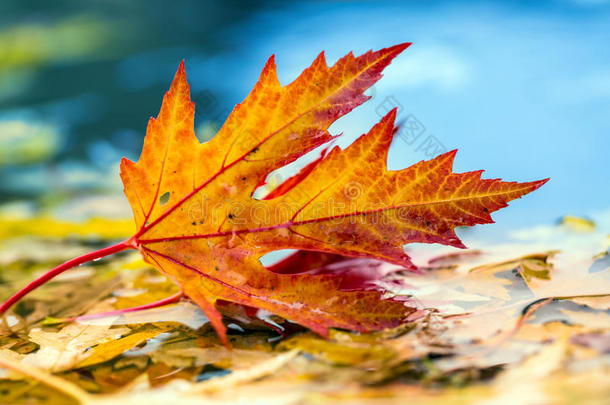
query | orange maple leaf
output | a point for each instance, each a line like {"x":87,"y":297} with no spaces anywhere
{"x":199,"y":223}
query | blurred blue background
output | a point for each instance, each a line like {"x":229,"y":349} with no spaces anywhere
{"x":522,"y":89}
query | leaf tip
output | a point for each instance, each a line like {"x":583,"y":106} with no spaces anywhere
{"x":446,"y":159}
{"x":389,"y":119}
{"x":401,"y":47}
{"x":321,"y":56}
{"x":541,"y":183}
{"x":451,"y":153}
{"x":269,"y":74}
{"x":125,"y":163}
{"x":450,"y":238}
{"x":180,"y":73}
{"x":395,"y":50}
{"x":534,"y":185}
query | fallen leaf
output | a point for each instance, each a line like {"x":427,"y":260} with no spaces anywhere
{"x":577,"y":224}
{"x":199,"y":223}
{"x":108,"y":350}
{"x":61,"y":350}
{"x":441,"y":357}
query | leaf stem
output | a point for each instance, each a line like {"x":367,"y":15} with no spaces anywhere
{"x":61,"y":268}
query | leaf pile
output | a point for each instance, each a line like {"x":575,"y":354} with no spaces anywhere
{"x":442,"y":324}
{"x":496,"y":318}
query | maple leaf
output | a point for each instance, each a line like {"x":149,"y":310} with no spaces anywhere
{"x":199,"y":223}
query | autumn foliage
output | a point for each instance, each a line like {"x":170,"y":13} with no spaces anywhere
{"x":199,"y":222}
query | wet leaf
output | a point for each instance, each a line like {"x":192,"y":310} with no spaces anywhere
{"x":199,"y":223}
{"x":108,"y":350}
{"x":524,"y":319}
